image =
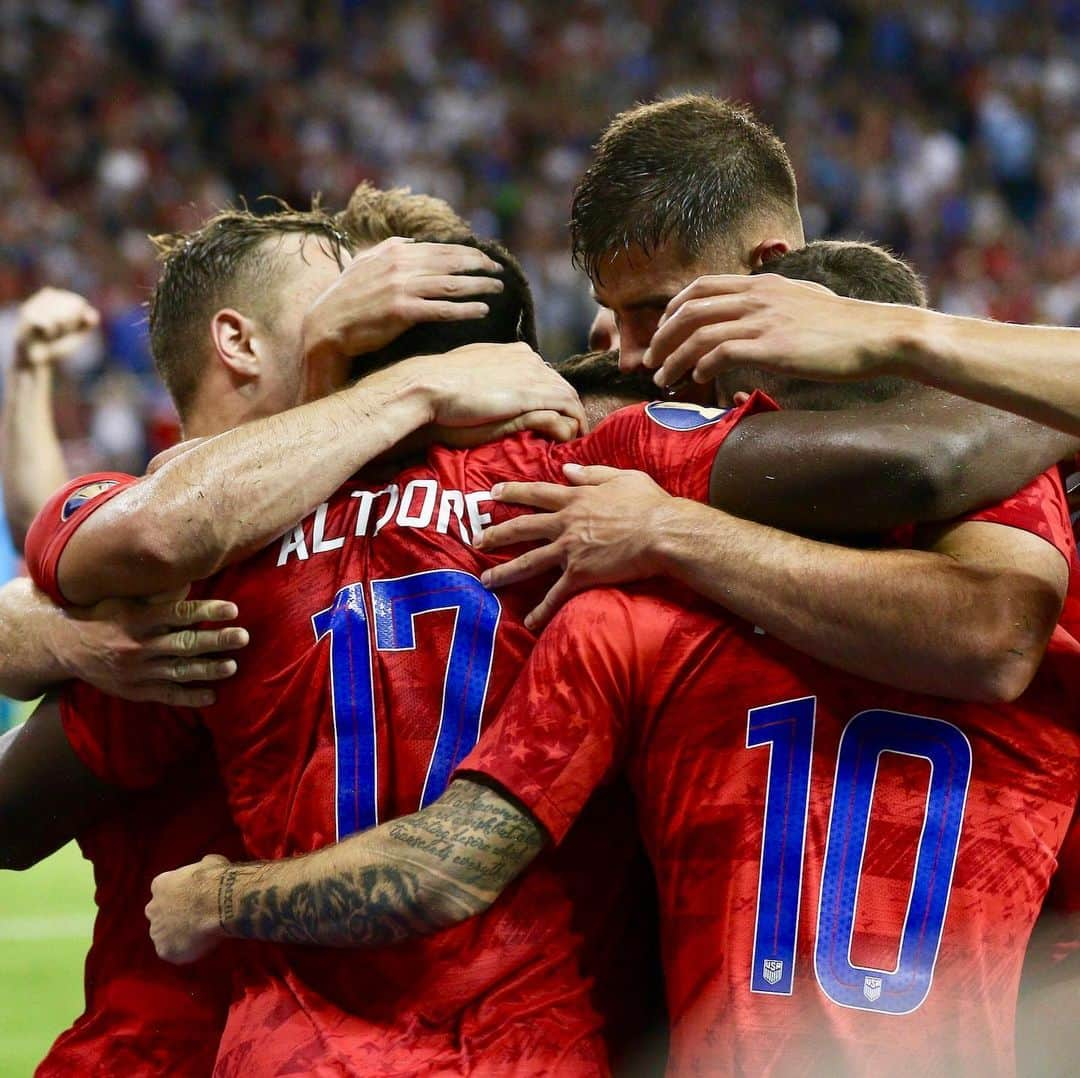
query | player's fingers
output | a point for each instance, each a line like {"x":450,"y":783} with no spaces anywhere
{"x":454,"y":286}
{"x":195,"y":642}
{"x":591,"y":475}
{"x":692,"y":316}
{"x":559,"y":428}
{"x":183,"y":671}
{"x":154,"y":619}
{"x":172,"y":453}
{"x":561,"y":590}
{"x":530,"y":528}
{"x":524,"y":567}
{"x":710,"y":285}
{"x":443,"y":310}
{"x":683,"y":359}
{"x":742,"y":352}
{"x":450,"y":258}
{"x":538,"y":495}
{"x":167,"y":692}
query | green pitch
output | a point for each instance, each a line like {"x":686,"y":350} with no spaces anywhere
{"x":46,"y":917}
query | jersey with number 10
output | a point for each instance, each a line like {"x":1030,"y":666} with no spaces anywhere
{"x":848,"y":874}
{"x":376,"y":658}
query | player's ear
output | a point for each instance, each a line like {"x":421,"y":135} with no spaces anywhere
{"x":768,"y":250}
{"x":234,"y":338}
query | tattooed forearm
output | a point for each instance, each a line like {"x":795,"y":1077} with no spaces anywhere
{"x":406,"y":878}
{"x":482,"y":838}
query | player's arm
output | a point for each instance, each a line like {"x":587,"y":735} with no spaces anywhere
{"x":930,"y":456}
{"x":162,"y":651}
{"x":231,"y":495}
{"x":405,"y":878}
{"x":51,"y":325}
{"x":47,"y":794}
{"x":521,"y":787}
{"x":967,"y":618}
{"x":768,"y":321}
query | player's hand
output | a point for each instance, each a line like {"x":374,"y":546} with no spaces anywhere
{"x":183,"y":910}
{"x":494,"y":386}
{"x":170,"y":454}
{"x":553,"y":425}
{"x":794,"y":327}
{"x":598,"y":531}
{"x":160,"y":651}
{"x":387,"y":290}
{"x":51,"y":326}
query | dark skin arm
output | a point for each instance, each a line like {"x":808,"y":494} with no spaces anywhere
{"x":408,"y":877}
{"x":47,"y":794}
{"x":928,"y":457}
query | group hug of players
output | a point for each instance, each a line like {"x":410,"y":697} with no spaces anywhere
{"x":475,"y":718}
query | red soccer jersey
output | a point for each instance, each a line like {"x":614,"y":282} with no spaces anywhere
{"x":143,"y":1016}
{"x":375,"y":659}
{"x":848,"y":874}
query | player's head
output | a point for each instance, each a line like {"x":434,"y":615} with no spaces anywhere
{"x":511,"y":317}
{"x":374,"y":215}
{"x":679,"y":188}
{"x":225,"y":315}
{"x":858,"y":271}
{"x":602,"y":387}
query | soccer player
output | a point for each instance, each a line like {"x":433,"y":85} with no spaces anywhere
{"x":296,"y":549}
{"x":722,"y":199}
{"x":720,"y":322}
{"x":273,"y":909}
{"x":831,"y":855}
{"x":140,"y":1016}
{"x":281,"y":775}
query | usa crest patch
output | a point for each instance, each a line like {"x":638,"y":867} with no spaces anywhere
{"x":83,"y":495}
{"x":675,"y":415}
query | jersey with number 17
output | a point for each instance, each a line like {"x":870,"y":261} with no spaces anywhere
{"x":376,"y":659}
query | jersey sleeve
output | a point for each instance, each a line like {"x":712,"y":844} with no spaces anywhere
{"x":565,"y":726}
{"x":60,"y":518}
{"x":673,"y":442}
{"x":1040,"y":508}
{"x":124,"y":744}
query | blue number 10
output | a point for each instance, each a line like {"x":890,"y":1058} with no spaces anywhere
{"x":395,"y":605}
{"x":788,"y":728}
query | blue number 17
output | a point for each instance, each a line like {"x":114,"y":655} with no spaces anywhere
{"x":395,"y":605}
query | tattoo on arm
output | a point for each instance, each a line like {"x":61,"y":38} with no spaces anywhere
{"x":408,"y":877}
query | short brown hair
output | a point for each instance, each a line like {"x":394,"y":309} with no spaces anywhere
{"x":224,"y":262}
{"x":374,"y":215}
{"x":853,"y":269}
{"x":857,"y":271}
{"x":689,"y":170}
{"x":598,"y":372}
{"x":511,"y":317}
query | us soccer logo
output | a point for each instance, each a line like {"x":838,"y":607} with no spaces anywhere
{"x":680,"y":416}
{"x":84,"y":495}
{"x":872,"y":989}
{"x":772,"y":969}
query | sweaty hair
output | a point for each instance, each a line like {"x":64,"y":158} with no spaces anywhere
{"x":856,"y":270}
{"x":511,"y":317}
{"x":691,"y":170}
{"x":225,"y":262}
{"x":374,"y":215}
{"x":598,"y":373}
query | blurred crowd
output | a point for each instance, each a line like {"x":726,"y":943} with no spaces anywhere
{"x":948,"y":129}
